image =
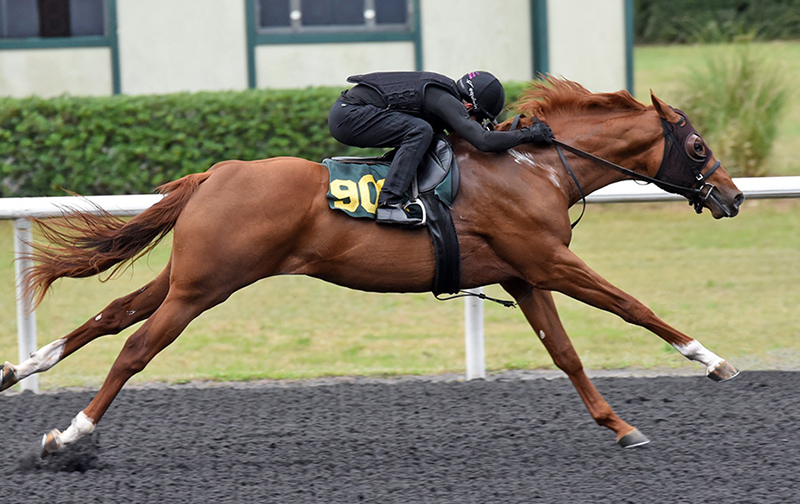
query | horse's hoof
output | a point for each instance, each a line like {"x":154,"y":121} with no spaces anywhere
{"x":633,"y":439}
{"x":7,"y":376}
{"x":51,"y":442}
{"x":723,"y":372}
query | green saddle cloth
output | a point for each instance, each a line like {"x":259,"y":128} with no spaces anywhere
{"x":354,"y":187}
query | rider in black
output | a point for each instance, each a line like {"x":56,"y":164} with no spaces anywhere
{"x":405,"y":109}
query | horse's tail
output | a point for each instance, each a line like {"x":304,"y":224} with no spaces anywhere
{"x":83,"y":244}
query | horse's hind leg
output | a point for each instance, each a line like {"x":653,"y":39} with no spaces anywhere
{"x":161,"y":329}
{"x":118,"y":315}
{"x":540,"y":310}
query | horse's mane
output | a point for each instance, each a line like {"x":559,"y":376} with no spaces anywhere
{"x":557,"y":96}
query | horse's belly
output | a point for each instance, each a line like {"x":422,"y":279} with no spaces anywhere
{"x":372,"y":258}
{"x":365,"y":256}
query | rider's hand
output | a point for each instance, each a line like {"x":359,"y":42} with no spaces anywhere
{"x":539,"y":133}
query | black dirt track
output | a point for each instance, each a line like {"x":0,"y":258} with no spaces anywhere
{"x":510,"y":439}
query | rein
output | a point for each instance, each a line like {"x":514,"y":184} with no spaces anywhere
{"x":695,"y":194}
{"x":581,"y":153}
{"x":696,"y":198}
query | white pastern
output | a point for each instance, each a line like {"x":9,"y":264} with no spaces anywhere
{"x":526,"y":159}
{"x":80,"y":426}
{"x":697,"y":352}
{"x":41,"y":360}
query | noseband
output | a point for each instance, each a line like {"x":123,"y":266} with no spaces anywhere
{"x":669,"y":176}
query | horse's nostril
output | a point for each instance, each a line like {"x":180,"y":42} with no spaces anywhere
{"x":738,"y":200}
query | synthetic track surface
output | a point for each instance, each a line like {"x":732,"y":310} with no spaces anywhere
{"x":506,"y":440}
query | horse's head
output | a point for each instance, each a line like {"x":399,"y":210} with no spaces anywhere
{"x":658,"y":142}
{"x":688,"y":167}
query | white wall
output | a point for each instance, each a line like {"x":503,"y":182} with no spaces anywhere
{"x":459,"y":36}
{"x":181,"y":45}
{"x":302,"y":65}
{"x":53,"y":72}
{"x":190,"y":45}
{"x":586,"y":40}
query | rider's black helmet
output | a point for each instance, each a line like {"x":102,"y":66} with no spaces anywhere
{"x":484,"y":92}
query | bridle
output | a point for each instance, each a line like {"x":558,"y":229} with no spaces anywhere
{"x":674,"y":135}
{"x":697,"y":190}
{"x":677,"y":152}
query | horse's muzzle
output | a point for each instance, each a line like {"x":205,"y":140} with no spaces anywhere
{"x":721,"y":206}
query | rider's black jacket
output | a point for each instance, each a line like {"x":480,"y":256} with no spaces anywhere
{"x":432,"y":97}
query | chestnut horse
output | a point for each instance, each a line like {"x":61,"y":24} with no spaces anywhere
{"x":242,"y":221}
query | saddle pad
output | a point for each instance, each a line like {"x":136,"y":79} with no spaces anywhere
{"x":354,"y":187}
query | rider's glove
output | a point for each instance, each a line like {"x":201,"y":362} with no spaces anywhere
{"x":539,"y":133}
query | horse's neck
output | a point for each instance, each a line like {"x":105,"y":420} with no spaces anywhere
{"x":634,"y":142}
{"x":631,"y":143}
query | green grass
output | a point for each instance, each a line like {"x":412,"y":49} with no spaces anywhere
{"x":664,"y":68}
{"x":732,"y":284}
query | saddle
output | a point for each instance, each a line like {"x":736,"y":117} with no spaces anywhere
{"x":355,"y":184}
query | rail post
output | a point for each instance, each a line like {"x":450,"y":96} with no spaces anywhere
{"x":26,"y":317}
{"x":473,"y":335}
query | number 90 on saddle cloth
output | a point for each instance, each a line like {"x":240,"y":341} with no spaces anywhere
{"x":356,"y":182}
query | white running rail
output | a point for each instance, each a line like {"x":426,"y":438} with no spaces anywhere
{"x":21,"y":210}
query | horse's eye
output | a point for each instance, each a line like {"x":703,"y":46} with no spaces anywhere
{"x":695,"y":147}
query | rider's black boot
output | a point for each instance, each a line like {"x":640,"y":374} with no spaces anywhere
{"x":394,"y":213}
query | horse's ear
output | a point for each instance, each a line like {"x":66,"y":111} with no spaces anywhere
{"x":664,"y":110}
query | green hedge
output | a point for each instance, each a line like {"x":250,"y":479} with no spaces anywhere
{"x":713,"y":21}
{"x":130,"y":144}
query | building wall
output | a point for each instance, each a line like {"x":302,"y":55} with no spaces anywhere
{"x":588,"y":48}
{"x":456,"y":36}
{"x":53,"y":72}
{"x":459,"y":36}
{"x":303,"y":65}
{"x":181,"y":45}
{"x":190,"y":45}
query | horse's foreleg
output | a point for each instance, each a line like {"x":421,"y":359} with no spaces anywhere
{"x":540,"y":310}
{"x":161,"y":329}
{"x":571,"y":276}
{"x":120,"y":314}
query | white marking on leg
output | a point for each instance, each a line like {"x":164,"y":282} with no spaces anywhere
{"x":41,"y":360}
{"x":80,"y":426}
{"x":98,"y":317}
{"x":697,"y":352}
{"x":541,"y":334}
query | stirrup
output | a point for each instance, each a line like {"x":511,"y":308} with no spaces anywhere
{"x":419,"y":203}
